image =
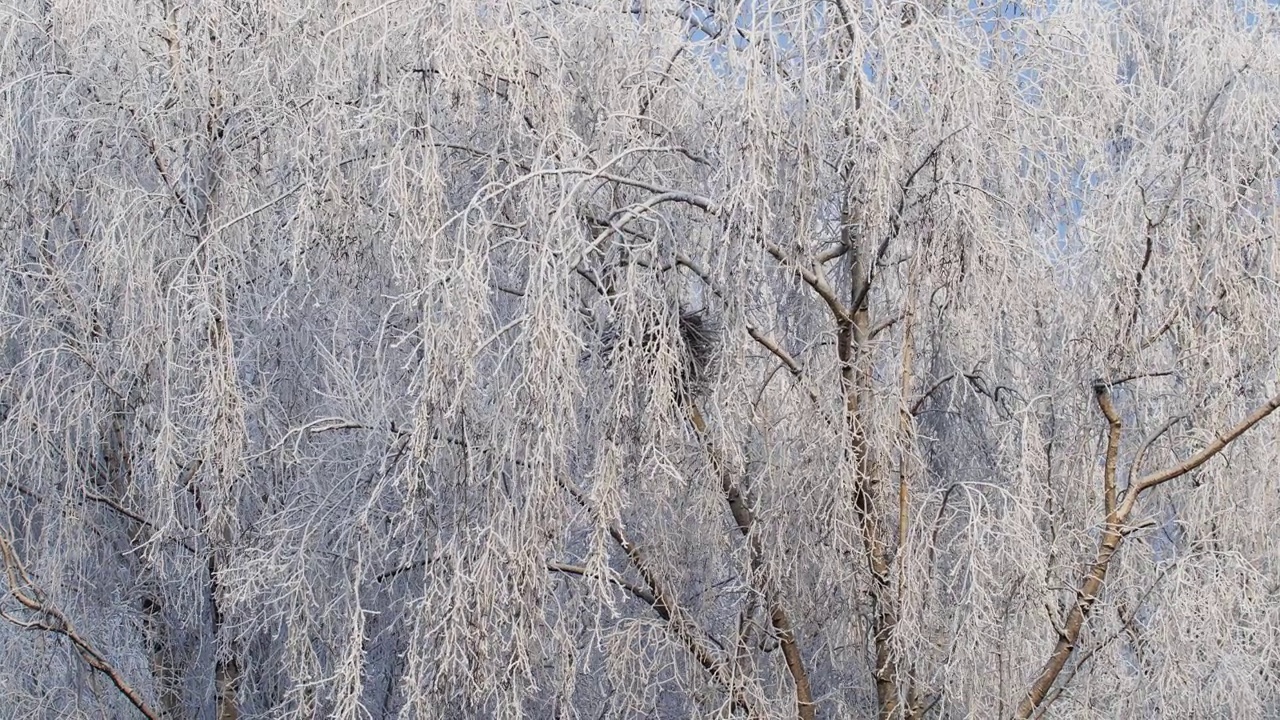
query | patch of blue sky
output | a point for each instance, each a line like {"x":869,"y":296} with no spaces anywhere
{"x":1028,"y":87}
{"x":1251,"y":18}
{"x":707,"y":31}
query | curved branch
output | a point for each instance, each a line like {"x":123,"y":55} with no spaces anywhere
{"x":916,"y":406}
{"x":811,"y":278}
{"x":1136,"y":465}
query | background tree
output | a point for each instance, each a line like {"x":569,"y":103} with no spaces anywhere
{"x":640,"y":359}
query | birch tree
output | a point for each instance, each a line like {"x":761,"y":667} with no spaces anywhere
{"x":653,"y":358}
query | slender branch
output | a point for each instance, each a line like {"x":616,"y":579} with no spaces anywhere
{"x":581,"y":571}
{"x":121,"y":509}
{"x":696,"y":269}
{"x":883,"y":325}
{"x":772,"y":346}
{"x":667,"y":194}
{"x":1164,"y":327}
{"x":915,"y":407}
{"x":1139,"y":376}
{"x":1136,"y":466}
{"x":1218,"y":445}
{"x":895,"y":219}
{"x":846,"y":21}
{"x":765,"y":341}
{"x":812,"y":279}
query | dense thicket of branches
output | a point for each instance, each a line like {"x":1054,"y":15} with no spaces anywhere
{"x":644,"y":358}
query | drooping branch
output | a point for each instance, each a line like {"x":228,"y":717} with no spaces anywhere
{"x":744,"y":518}
{"x":664,"y":603}
{"x":51,"y":619}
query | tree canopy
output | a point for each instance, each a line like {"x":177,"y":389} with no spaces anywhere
{"x":643,"y":358}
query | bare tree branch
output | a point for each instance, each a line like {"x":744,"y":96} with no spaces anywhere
{"x":23,"y":589}
{"x":1220,"y":443}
